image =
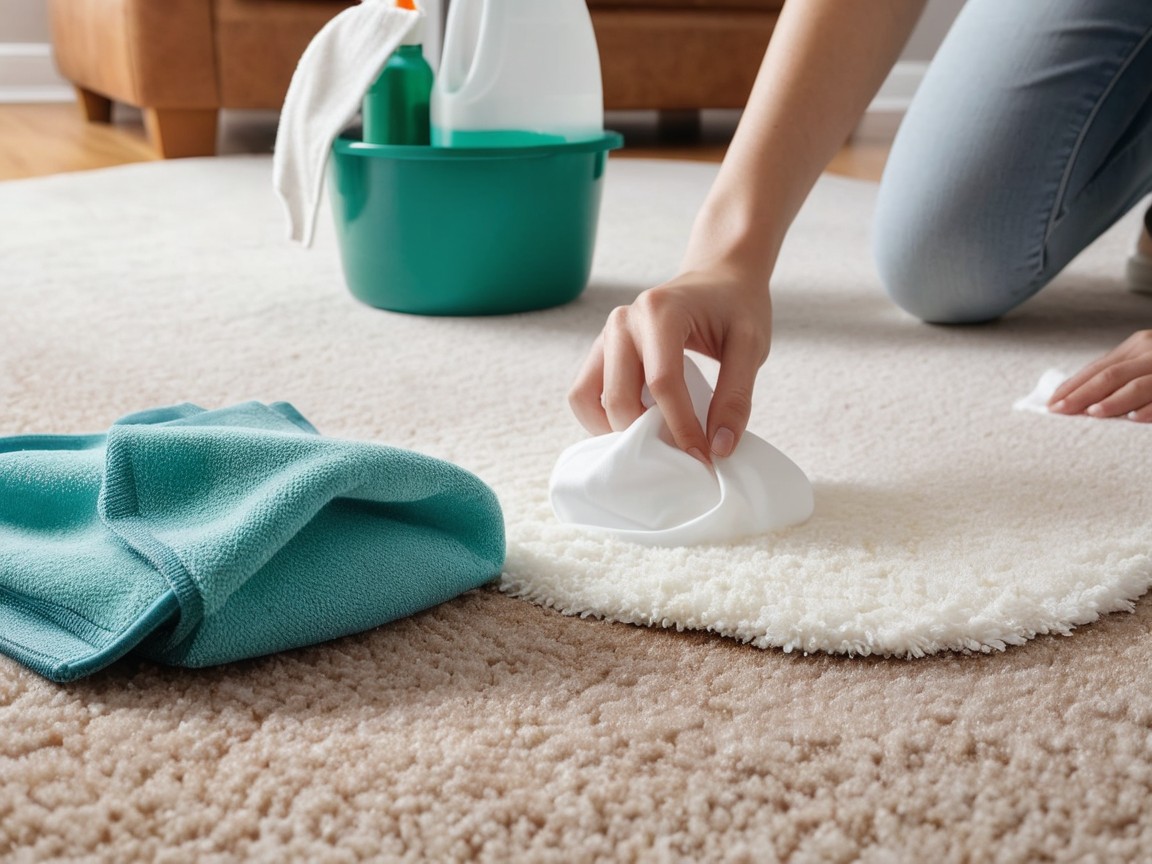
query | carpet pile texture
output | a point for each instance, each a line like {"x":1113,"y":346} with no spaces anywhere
{"x":496,"y":729}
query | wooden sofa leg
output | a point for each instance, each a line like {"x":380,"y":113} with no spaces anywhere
{"x":176,"y":133}
{"x":96,"y":108}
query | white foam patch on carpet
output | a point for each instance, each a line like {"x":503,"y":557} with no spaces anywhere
{"x":944,"y":519}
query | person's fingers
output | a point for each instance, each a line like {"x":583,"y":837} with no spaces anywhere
{"x":1135,"y":347}
{"x":662,"y":342}
{"x":584,"y":397}
{"x":1102,"y":385}
{"x":1060,"y":400}
{"x":744,"y":353}
{"x":623,"y":372}
{"x":1130,"y":397}
{"x":1141,"y":415}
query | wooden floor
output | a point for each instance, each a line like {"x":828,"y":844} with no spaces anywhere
{"x":36,"y":140}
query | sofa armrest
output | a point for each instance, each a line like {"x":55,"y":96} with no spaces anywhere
{"x":143,"y":52}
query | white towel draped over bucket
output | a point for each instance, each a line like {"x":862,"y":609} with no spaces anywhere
{"x":334,"y":73}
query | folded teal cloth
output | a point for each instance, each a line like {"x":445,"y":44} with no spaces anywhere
{"x":199,"y":537}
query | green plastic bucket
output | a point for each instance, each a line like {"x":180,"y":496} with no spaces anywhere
{"x":467,"y":231}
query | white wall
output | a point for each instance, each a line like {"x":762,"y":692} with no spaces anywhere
{"x":26,"y":70}
{"x":887,"y":109}
{"x":23,"y":21}
{"x":929,"y":33}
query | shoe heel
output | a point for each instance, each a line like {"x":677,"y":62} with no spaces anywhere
{"x":1139,"y":272}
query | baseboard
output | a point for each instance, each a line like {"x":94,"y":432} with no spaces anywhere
{"x":883,"y":116}
{"x":27,"y":74}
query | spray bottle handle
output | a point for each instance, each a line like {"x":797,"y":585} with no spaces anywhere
{"x":465,"y":31}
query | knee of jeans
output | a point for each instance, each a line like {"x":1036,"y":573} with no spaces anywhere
{"x":948,"y":265}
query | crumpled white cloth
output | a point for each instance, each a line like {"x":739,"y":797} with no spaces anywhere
{"x":1037,"y":400}
{"x":334,"y":73}
{"x":639,"y":486}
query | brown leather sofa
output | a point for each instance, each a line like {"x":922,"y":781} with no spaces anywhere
{"x":681,"y":55}
{"x":181,"y":61}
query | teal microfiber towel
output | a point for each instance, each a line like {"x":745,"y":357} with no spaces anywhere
{"x":201,"y":537}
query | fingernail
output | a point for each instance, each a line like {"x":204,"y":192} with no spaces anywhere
{"x":1059,"y":406}
{"x":723,"y":441}
{"x":1131,"y":415}
{"x":695,"y":453}
{"x":1095,"y":410}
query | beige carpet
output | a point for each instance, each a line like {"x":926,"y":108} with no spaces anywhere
{"x":493,"y":729}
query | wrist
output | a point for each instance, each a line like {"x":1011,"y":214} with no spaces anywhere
{"x":728,"y":235}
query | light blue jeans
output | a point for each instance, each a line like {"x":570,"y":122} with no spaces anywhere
{"x":1030,"y":135}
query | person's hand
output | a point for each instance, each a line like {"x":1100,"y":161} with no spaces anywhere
{"x":1118,"y":384}
{"x":716,"y":312}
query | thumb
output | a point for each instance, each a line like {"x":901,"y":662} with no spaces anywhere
{"x":732,"y":402}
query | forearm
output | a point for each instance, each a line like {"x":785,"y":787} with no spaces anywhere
{"x":826,"y":60}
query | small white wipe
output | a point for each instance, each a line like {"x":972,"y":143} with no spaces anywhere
{"x":1037,"y":400}
{"x":639,"y":486}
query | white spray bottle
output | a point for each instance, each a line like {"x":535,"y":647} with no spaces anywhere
{"x":516,"y":73}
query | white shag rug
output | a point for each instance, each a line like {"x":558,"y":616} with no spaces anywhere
{"x":944,"y":520}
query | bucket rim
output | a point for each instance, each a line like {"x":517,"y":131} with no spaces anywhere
{"x":347,"y":145}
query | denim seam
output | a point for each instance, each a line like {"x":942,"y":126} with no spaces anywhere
{"x":1135,"y":194}
{"x":1062,"y":189}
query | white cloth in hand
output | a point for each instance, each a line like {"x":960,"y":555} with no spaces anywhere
{"x":1037,"y":400}
{"x":334,"y":73}
{"x":639,"y":486}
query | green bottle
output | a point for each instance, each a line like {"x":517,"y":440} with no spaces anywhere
{"x":396,"y":106}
